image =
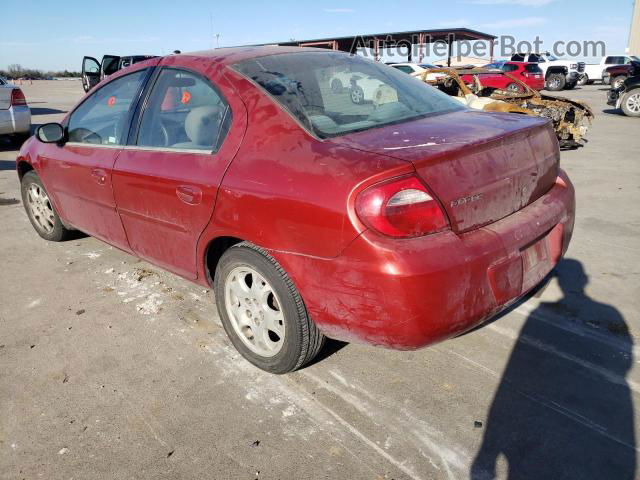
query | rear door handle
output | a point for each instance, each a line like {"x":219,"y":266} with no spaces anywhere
{"x":189,"y":194}
{"x":99,"y":176}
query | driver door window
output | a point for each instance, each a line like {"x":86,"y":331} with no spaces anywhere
{"x":102,"y":119}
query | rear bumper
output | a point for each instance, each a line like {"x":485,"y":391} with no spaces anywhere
{"x":15,"y":120}
{"x":406,"y":294}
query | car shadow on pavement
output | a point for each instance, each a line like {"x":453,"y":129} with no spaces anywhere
{"x":45,"y":111}
{"x":563,"y":408}
{"x":7,"y":165}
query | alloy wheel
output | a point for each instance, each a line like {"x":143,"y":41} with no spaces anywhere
{"x":40,"y":207}
{"x":633,"y":103}
{"x":254,"y":310}
{"x":357,"y":95}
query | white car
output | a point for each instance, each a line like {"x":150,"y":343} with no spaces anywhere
{"x":593,"y":72}
{"x":15,"y":115}
{"x":361,"y":87}
{"x":416,"y":69}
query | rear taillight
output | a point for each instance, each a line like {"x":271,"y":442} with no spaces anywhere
{"x":17,"y":98}
{"x":402,"y":208}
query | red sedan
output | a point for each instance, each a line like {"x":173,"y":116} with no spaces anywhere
{"x":401,"y":221}
{"x":528,"y":73}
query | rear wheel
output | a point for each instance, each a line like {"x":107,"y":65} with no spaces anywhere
{"x":263,"y":312}
{"x":631,"y":103}
{"x":618,"y":81}
{"x":556,"y":82}
{"x":41,"y":212}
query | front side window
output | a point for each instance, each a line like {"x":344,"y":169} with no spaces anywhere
{"x":102,"y":118}
{"x":335,"y":93}
{"x":184,"y":112}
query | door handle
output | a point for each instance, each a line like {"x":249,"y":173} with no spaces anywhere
{"x":189,"y":194}
{"x":99,"y":175}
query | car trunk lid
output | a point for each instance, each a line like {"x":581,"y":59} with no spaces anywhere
{"x":481,"y":166}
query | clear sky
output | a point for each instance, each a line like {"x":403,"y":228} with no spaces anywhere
{"x":52,"y":35}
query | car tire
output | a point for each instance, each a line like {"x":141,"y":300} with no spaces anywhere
{"x":617,"y":82}
{"x":514,"y":87}
{"x":262,"y":311}
{"x":336,"y":85}
{"x":556,"y":82}
{"x":570,"y":85}
{"x":41,"y":212}
{"x":630,"y":103}
{"x":584,"y":80}
{"x":357,"y":95}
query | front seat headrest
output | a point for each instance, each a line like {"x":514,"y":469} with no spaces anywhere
{"x":201,"y":125}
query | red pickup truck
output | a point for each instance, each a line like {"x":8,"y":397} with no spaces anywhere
{"x":617,"y":74}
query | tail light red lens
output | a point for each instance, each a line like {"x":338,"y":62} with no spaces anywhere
{"x":401,"y":208}
{"x":17,"y":98}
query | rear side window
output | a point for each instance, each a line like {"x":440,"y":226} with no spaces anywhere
{"x":103,"y":117}
{"x":532,"y":68}
{"x":509,"y":68}
{"x":184,"y":112}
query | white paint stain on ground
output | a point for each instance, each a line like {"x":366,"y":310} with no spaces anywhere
{"x":34,"y":303}
{"x":92,"y":255}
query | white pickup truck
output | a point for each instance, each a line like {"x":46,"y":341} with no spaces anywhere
{"x":594,"y":71}
{"x":558,"y":74}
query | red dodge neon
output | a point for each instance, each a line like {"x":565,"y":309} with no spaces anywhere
{"x":400,"y":221}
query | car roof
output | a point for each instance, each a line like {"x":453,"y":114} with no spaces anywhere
{"x":233,"y":55}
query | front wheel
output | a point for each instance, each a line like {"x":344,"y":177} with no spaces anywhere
{"x":357,"y":95}
{"x":556,"y":82}
{"x":262,"y":311}
{"x":41,"y":212}
{"x":631,"y":103}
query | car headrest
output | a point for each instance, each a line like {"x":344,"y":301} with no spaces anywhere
{"x":202,"y":123}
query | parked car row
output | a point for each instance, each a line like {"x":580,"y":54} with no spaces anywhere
{"x":211,"y":165}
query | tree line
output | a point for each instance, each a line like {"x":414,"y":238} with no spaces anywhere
{"x":15,"y":71}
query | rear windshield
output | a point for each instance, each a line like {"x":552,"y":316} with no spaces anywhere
{"x":335,"y":93}
{"x":533,"y":68}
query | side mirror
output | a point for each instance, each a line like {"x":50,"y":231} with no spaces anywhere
{"x":50,"y":133}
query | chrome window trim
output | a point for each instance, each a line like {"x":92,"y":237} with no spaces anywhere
{"x":168,"y":149}
{"x":92,"y":145}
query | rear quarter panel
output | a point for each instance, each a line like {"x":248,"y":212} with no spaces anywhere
{"x":287,"y":190}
